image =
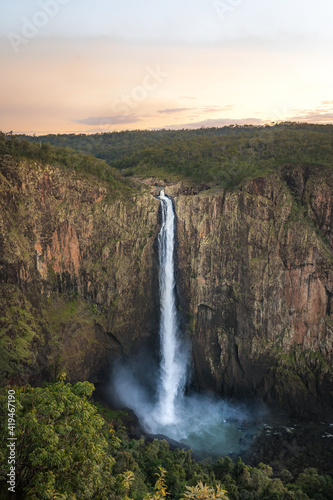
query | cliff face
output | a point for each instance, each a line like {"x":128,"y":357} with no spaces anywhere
{"x":256,"y":280}
{"x":77,"y":272}
{"x":78,"y":280}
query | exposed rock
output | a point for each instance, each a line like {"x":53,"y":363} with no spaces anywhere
{"x":78,"y":277}
{"x":65,"y":237}
{"x":255,"y":278}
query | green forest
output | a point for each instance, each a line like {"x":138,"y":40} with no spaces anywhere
{"x":68,"y":445}
{"x":217,"y":156}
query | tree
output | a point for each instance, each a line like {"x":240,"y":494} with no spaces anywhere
{"x":203,"y":492}
{"x":160,"y":487}
{"x":61,"y":451}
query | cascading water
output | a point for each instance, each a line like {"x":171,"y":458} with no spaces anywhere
{"x":174,"y":357}
{"x":209,"y":425}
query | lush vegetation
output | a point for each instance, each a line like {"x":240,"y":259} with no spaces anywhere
{"x":223,"y":156}
{"x":64,"y":157}
{"x":69,"y":448}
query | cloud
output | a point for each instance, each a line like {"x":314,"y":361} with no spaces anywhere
{"x":173,"y":110}
{"x":214,"y":109}
{"x":199,"y":111}
{"x":218,"y":122}
{"x":314,"y":117}
{"x":321,"y":114}
{"x":108,"y":120}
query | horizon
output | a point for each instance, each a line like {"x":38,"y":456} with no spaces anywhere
{"x":73,"y":67}
{"x":232,"y":125}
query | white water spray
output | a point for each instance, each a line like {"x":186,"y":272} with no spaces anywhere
{"x":210,"y":426}
{"x":174,"y":355}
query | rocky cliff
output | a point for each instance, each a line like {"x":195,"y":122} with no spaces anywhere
{"x":256,"y":280}
{"x":254,"y":272}
{"x":77,"y":272}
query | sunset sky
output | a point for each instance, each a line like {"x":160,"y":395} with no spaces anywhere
{"x":105,"y":65}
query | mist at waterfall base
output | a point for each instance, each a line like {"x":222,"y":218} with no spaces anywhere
{"x":155,"y":391}
{"x":209,"y":425}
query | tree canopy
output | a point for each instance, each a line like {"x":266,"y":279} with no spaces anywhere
{"x":224,"y":156}
{"x":70,"y":448}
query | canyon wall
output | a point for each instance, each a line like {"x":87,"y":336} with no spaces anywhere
{"x":79,"y":286}
{"x":255,"y":272}
{"x":77,"y":272}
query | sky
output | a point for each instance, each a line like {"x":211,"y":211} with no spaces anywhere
{"x":80,"y":66}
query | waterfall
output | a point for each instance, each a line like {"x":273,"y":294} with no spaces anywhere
{"x":205,"y":423}
{"x":174,"y":356}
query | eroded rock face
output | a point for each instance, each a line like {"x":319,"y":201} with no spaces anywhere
{"x":256,"y":280}
{"x":78,"y":279}
{"x":82,"y":257}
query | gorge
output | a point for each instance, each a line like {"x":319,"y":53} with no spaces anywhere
{"x":85,"y":252}
{"x":254,"y":276}
{"x":79,"y":279}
